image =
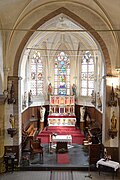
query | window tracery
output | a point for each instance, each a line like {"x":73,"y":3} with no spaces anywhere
{"x":36,"y":76}
{"x":62,"y":75}
{"x":87,"y":74}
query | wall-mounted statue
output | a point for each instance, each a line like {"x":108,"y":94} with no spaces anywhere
{"x":74,"y":89}
{"x":82,"y":114}
{"x":30,"y":97}
{"x":11,"y":94}
{"x":50,"y":90}
{"x":113,"y":128}
{"x":93,"y":97}
{"x":5,"y":93}
{"x":25,"y":99}
{"x":12,"y":121}
{"x":42,"y":113}
{"x":98,"y":101}
{"x":12,"y":130}
{"x":82,"y":118}
{"x":113,"y":122}
{"x":112,"y":101}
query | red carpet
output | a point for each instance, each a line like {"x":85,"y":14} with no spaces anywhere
{"x":62,"y":158}
{"x":77,"y":136}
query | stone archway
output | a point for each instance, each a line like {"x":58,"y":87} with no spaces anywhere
{"x":45,"y":19}
{"x":75,"y":18}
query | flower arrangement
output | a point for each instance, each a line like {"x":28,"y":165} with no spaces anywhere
{"x":62,"y":150}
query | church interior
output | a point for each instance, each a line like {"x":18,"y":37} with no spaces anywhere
{"x":59,"y":85}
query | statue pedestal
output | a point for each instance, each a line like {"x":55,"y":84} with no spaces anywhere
{"x":12,"y":131}
{"x":112,"y":133}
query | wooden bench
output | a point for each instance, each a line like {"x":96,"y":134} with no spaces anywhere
{"x":31,"y":131}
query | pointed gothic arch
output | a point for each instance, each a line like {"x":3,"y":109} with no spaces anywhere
{"x":80,"y":22}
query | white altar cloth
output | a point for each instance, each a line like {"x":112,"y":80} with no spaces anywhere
{"x":62,"y":138}
{"x":108,"y":163}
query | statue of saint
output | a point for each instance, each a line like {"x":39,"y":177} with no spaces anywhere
{"x":99,"y":103}
{"x":74,"y":89}
{"x":113,"y":122}
{"x":82,"y":113}
{"x":25,"y":99}
{"x":5,"y":93}
{"x":11,"y":94}
{"x":30,"y":97}
{"x":93,"y":100}
{"x":42,"y":113}
{"x":12,"y":121}
{"x":49,"y":90}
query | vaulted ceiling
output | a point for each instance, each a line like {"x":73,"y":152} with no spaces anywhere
{"x":12,"y":12}
{"x":60,"y":40}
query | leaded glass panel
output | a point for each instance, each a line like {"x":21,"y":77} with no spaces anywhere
{"x":90,"y":84}
{"x":84,"y":84}
{"x":84,"y":76}
{"x":62,"y":73}
{"x":87,"y":74}
{"x":84,"y":92}
{"x":84,"y":68}
{"x":91,"y":68}
{"x":36,"y":74}
{"x":89,"y":92}
{"x":90,"y":76}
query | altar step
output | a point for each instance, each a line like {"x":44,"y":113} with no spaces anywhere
{"x":77,"y":135}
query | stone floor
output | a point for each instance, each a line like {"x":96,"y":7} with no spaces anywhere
{"x":78,"y":158}
{"x":48,"y":169}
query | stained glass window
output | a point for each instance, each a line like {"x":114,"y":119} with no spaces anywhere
{"x":62,"y":75}
{"x":36,"y":84}
{"x":87,"y":74}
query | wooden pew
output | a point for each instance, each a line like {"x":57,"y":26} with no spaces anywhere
{"x":31,"y":133}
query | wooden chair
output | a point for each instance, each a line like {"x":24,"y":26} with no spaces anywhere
{"x":36,"y":148}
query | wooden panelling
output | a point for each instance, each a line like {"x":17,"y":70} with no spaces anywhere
{"x":33,"y":112}
{"x":98,"y":117}
{"x":93,"y":113}
{"x":114,"y":152}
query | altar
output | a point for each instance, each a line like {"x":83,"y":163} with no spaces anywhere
{"x":61,"y":120}
{"x":62,"y":142}
{"x":62,"y":138}
{"x":62,"y":111}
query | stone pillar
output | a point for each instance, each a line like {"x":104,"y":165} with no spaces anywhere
{"x":14,"y":107}
{"x":1,"y":126}
{"x":2,"y":133}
